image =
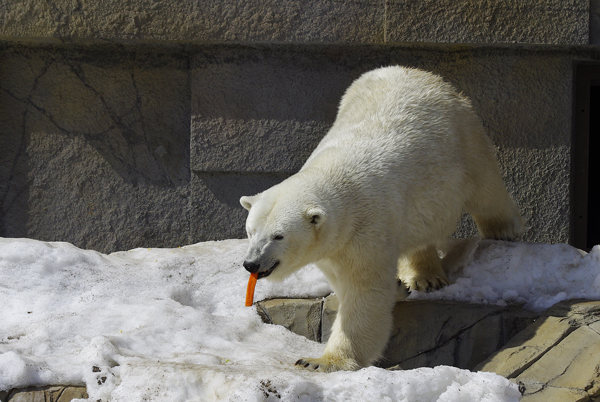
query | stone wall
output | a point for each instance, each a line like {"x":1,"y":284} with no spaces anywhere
{"x":300,"y":21}
{"x":142,"y":125}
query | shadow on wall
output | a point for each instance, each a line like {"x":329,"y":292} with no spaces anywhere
{"x":113,"y":147}
{"x":97,"y":141}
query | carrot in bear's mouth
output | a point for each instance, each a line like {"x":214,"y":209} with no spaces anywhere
{"x":250,"y":290}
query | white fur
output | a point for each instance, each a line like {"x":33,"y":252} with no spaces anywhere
{"x":388,"y":183}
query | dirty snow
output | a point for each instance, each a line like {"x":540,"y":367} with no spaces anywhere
{"x":170,"y":324}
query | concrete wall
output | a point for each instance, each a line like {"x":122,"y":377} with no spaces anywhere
{"x":303,"y":21}
{"x":142,"y":125}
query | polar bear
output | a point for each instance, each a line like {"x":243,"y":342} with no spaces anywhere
{"x":404,"y":157}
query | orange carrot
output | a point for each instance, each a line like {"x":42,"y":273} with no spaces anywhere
{"x":250,"y":290}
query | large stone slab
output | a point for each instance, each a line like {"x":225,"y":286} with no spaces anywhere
{"x":488,"y":21}
{"x":212,"y":20}
{"x":47,"y":394}
{"x":296,"y":21}
{"x":573,"y":363}
{"x":431,"y":333}
{"x":301,"y":316}
{"x":99,"y":152}
{"x":425,"y":334}
{"x":555,"y":358}
{"x":527,"y":347}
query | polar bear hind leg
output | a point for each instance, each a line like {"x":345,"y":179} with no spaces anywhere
{"x":494,"y":212}
{"x":422,"y":270}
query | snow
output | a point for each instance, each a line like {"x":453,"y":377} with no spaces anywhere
{"x":536,"y":275}
{"x":170,"y":324}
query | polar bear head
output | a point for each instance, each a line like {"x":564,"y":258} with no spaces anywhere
{"x":284,"y":230}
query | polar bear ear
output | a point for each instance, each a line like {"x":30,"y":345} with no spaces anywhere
{"x":316,"y":216}
{"x":247,"y":202}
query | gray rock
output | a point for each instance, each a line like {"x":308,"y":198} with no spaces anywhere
{"x":556,"y":358}
{"x":46,"y":394}
{"x":432,"y":333}
{"x":301,"y":316}
{"x":426,"y":333}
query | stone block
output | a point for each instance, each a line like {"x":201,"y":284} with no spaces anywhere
{"x":547,"y":394}
{"x":301,"y":316}
{"x":216,"y":210}
{"x":425,"y":334}
{"x":488,"y":21}
{"x":526,"y":347}
{"x":103,"y":155}
{"x":45,"y":394}
{"x":573,"y":363}
{"x":430,"y":333}
{"x":206,"y":21}
{"x":72,"y":392}
{"x":262,"y":111}
{"x":578,"y":311}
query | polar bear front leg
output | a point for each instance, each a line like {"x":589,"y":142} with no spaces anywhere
{"x":360,"y":331}
{"x":422,"y":270}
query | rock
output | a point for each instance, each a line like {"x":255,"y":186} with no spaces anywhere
{"x":527,"y":347}
{"x":431,"y":333}
{"x":550,"y":394}
{"x":426,"y":333}
{"x":556,"y":358}
{"x":573,"y":363}
{"x":52,"y":393}
{"x":301,"y":316}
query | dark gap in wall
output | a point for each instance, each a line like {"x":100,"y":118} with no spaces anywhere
{"x":593,"y":221}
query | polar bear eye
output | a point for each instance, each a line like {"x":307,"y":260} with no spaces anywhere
{"x":278,"y":237}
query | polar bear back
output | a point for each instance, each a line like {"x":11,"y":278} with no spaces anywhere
{"x":414,"y":143}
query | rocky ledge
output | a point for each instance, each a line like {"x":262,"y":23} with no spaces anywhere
{"x":553,"y":357}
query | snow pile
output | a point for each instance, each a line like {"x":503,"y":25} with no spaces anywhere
{"x":170,"y":324}
{"x":536,"y":275}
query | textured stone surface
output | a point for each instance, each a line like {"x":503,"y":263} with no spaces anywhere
{"x":428,"y":333}
{"x":213,"y":20}
{"x":572,"y":363}
{"x":425,"y":334}
{"x":490,"y":21}
{"x":301,"y":316}
{"x":555,"y":358}
{"x":334,"y":21}
{"x":98,"y":147}
{"x":112,"y":147}
{"x":547,"y":394}
{"x":47,"y":394}
{"x":527,"y":347}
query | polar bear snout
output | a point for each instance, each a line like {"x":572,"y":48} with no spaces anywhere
{"x":254,"y":267}
{"x":251,"y":266}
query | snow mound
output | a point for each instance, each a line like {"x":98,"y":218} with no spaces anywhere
{"x":170,"y":324}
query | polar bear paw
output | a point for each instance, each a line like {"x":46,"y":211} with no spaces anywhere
{"x":426,"y":283}
{"x":327,"y":365}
